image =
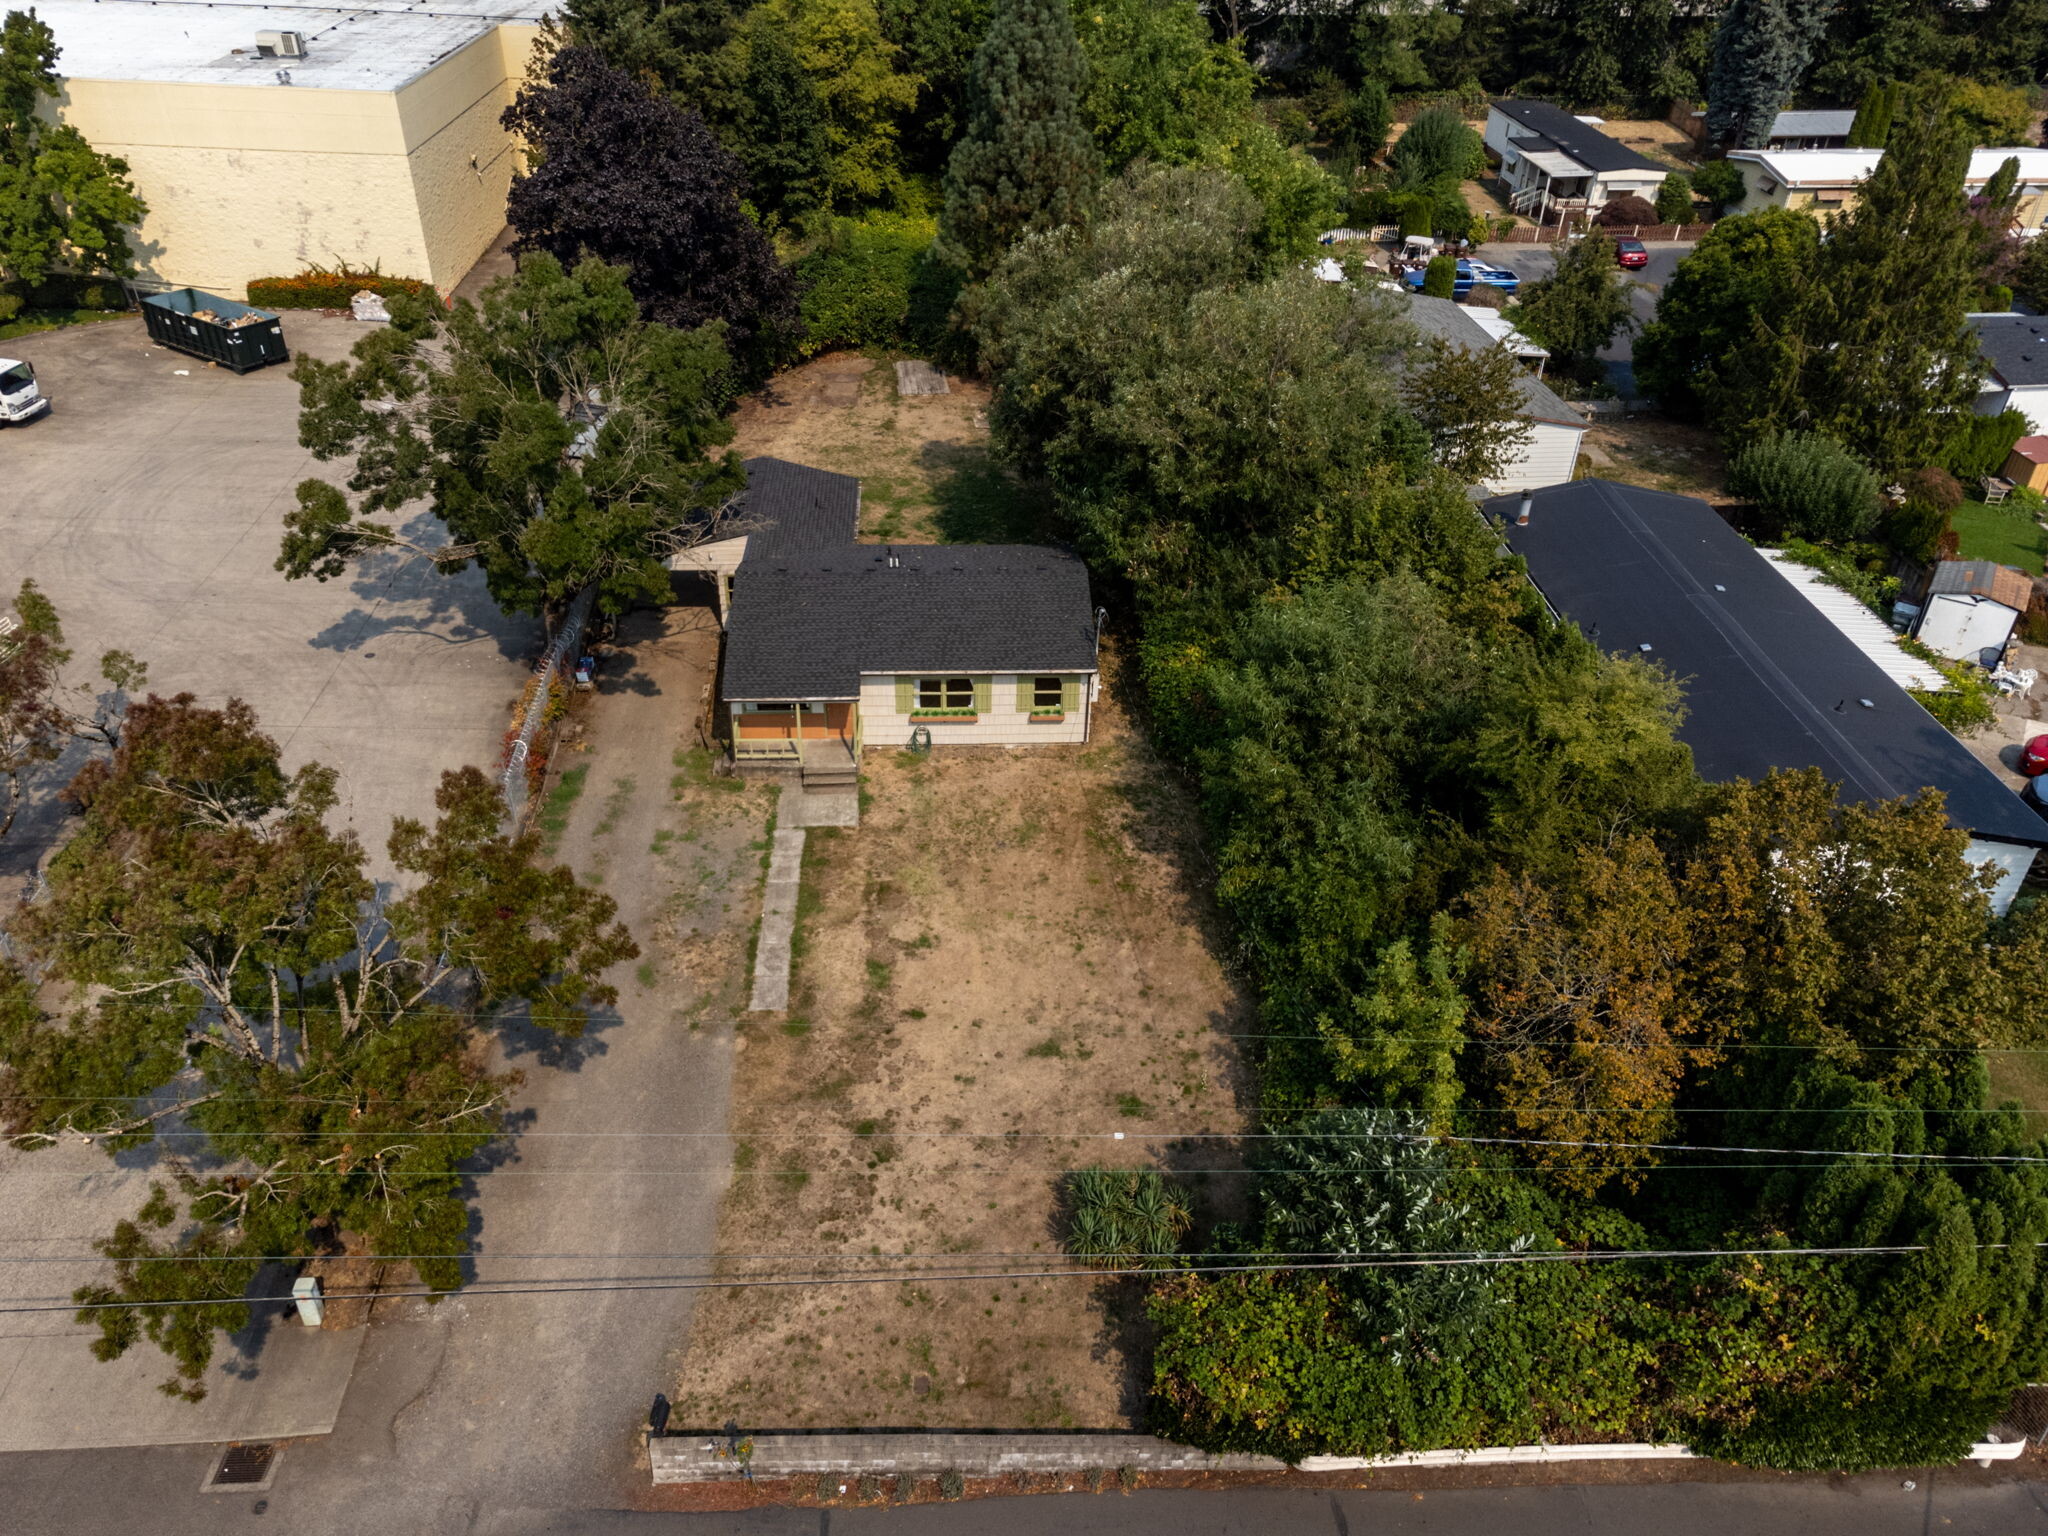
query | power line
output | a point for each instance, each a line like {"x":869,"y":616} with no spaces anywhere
{"x":1945,"y":1159}
{"x":712,"y":1283}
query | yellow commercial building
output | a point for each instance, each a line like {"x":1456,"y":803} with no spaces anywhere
{"x":1824,"y":181}
{"x":269,"y":138}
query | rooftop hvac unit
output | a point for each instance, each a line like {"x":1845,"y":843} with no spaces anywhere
{"x":281,"y":45}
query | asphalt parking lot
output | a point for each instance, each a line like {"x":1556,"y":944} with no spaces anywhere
{"x":148,"y":504}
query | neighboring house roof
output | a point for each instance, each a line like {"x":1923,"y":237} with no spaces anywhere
{"x":1455,"y":324}
{"x":1768,"y":682}
{"x":807,"y":626}
{"x":788,"y":508}
{"x":2016,"y":347}
{"x":1581,"y":141}
{"x":1829,"y":124}
{"x":1846,"y":167}
{"x":1984,"y":578}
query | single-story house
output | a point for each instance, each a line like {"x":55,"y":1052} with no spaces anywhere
{"x":1970,"y":608}
{"x":832,"y":645}
{"x":1826,"y":180}
{"x":1555,"y":162}
{"x":1769,"y":683}
{"x":2015,"y":352}
{"x":1827,"y":129}
{"x":1556,"y":428}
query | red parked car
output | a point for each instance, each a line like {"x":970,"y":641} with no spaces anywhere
{"x":1631,"y":253}
{"x":2034,"y":757}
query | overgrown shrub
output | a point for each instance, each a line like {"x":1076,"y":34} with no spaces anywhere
{"x":1625,"y":211}
{"x":1965,"y":704}
{"x":1440,"y":280}
{"x":952,"y":1485}
{"x":1919,"y":526}
{"x":1981,"y":443}
{"x":1123,"y":1216}
{"x":859,"y":284}
{"x":332,"y":287}
{"x":1485,"y":296}
{"x":1817,"y":487}
{"x":1674,"y":199}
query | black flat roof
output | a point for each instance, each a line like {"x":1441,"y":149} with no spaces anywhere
{"x":1768,"y":681}
{"x":1582,"y":141}
{"x":808,"y":626}
{"x":2015,"y":345}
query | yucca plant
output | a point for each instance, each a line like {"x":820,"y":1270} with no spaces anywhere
{"x":1124,"y":1217}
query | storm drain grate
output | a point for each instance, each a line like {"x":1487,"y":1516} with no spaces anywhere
{"x":243,"y":1466}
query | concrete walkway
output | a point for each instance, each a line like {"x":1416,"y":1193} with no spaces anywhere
{"x":778,"y":922}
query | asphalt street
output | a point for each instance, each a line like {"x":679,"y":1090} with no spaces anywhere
{"x":1530,"y":262}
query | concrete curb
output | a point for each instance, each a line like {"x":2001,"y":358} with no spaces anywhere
{"x":707,"y":1458}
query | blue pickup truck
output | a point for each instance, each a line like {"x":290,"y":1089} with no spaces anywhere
{"x":1470,"y":272}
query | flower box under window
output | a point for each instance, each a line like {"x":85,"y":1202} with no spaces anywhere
{"x":958,"y":716}
{"x":1048,"y":716}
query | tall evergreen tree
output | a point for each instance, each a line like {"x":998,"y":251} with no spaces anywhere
{"x":1873,"y":124}
{"x":1876,"y":352}
{"x":780,"y":132}
{"x":1761,"y":53}
{"x":674,"y":44}
{"x":1027,"y":160}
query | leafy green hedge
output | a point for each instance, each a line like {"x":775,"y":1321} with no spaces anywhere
{"x":1980,"y":445}
{"x":874,"y":282}
{"x":332,"y":288}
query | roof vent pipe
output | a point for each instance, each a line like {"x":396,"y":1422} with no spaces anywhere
{"x":1522,"y":512}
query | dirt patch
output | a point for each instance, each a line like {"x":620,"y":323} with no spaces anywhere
{"x":1010,"y":962}
{"x":926,"y":473}
{"x":1660,"y":455}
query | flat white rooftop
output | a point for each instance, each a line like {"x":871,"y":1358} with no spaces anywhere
{"x":1841,"y":167}
{"x":377,"y":47}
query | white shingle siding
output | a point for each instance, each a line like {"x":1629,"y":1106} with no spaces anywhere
{"x":883,"y":724}
{"x":1551,"y":458}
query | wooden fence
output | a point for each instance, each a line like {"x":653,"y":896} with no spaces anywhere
{"x":1529,"y":234}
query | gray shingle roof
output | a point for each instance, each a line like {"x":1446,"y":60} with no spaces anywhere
{"x":1828,"y":124}
{"x":1582,"y":141}
{"x":2015,"y":345}
{"x":807,"y":626}
{"x":1442,"y":318}
{"x":1768,"y":681}
{"x":787,"y":508}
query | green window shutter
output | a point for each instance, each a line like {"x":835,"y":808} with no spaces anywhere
{"x":984,"y":695}
{"x":906,"y":695}
{"x":1023,"y":695}
{"x":1070,"y":694}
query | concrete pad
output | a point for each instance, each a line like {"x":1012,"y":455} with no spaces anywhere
{"x":778,"y":922}
{"x":919,"y":378}
{"x":280,"y":1381}
{"x":275,"y":1379}
{"x":802,"y":808}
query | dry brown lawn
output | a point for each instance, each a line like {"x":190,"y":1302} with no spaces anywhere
{"x":924,"y":464}
{"x":1007,"y":963}
{"x":1660,"y":455}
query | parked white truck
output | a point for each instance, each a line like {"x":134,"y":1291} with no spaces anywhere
{"x":20,"y":398}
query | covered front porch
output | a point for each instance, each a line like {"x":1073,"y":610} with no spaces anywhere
{"x":821,"y":737}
